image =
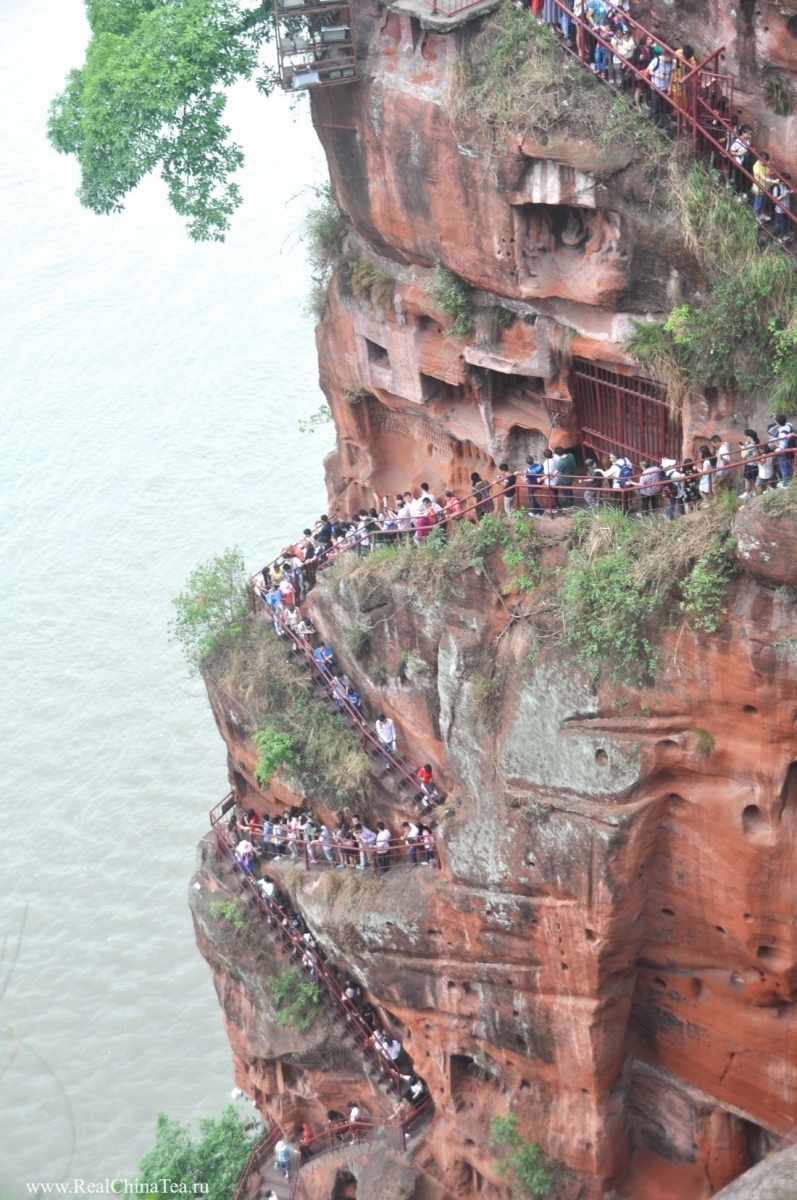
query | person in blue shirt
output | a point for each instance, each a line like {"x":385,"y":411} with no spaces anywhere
{"x":324,"y":656}
{"x":532,"y":475}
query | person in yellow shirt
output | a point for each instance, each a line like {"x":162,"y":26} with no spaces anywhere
{"x":763,"y":182}
{"x":683,"y":63}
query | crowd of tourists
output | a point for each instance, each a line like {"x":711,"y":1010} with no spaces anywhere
{"x":380,"y":1042}
{"x":632,"y":60}
{"x":348,"y":844}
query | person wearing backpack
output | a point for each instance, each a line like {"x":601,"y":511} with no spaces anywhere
{"x":673,"y":488}
{"x":621,"y":473}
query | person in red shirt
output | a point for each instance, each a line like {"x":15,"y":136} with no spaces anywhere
{"x":425,"y":523}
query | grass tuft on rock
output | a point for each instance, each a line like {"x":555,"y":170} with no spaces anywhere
{"x":625,"y":579}
{"x":298,"y":733}
{"x":742,"y":332}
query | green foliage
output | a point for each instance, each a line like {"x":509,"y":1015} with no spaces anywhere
{"x":321,"y":416}
{"x":781,"y":502}
{"x":358,"y":638}
{"x":524,"y":1164}
{"x":743,"y":334}
{"x":209,"y":1166}
{"x":277,"y":751}
{"x":297,"y":998}
{"x":703,"y":591}
{"x":505,"y":318}
{"x":777,"y":94}
{"x":212,"y":606}
{"x":625,"y":579}
{"x":322,"y":231}
{"x":355,"y":394}
{"x":151,"y":94}
{"x":299,"y":732}
{"x":228,"y":910}
{"x":453,"y":296}
{"x":704,"y":743}
{"x":366,"y":281}
{"x":515,"y":78}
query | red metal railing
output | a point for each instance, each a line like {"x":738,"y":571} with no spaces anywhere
{"x":541,"y":489}
{"x":396,"y":1130}
{"x":307,"y":955}
{"x":702,"y":103}
{"x":261,"y":1152}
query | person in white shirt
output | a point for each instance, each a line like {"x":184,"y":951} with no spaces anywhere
{"x":382,"y":846}
{"x":782,"y":432}
{"x":722,"y":451}
{"x":411,"y":836}
{"x":386,"y":732}
{"x":354,"y":1116}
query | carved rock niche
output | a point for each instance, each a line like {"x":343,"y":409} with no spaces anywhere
{"x":561,"y":246}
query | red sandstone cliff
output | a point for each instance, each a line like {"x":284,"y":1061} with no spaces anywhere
{"x":608,"y":950}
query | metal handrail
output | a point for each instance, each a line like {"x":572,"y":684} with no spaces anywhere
{"x":267,"y":907}
{"x":261,"y":1150}
{"x":397,"y":536}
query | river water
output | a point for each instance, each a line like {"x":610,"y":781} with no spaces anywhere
{"x":150,"y":393}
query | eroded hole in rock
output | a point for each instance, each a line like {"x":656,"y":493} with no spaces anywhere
{"x":675,"y":800}
{"x":345,"y":1187}
{"x":753,"y":820}
{"x":601,"y":758}
{"x":738,"y":981}
{"x":659,"y":982}
{"x":719,"y":929}
{"x":467,"y":989}
{"x":750,"y":708}
{"x":767,"y":954}
{"x":668,"y":912}
{"x":451,"y":983}
{"x":590,"y":935}
{"x":696,"y":988}
{"x":564,"y":966}
{"x":525,"y":1086}
{"x":789,"y":791}
{"x":748,"y":917}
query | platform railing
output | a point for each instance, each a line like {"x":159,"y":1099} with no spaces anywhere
{"x":307,"y":956}
{"x":703,"y":99}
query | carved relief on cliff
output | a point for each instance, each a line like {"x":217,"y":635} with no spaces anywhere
{"x":561,"y":249}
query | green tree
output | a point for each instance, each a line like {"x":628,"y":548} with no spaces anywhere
{"x":215,"y":1160}
{"x":152,"y":93}
{"x":213,"y":604}
{"x":524,"y":1163}
{"x":298,"y":999}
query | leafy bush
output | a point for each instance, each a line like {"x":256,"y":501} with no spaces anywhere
{"x":323,"y":233}
{"x":212,"y":606}
{"x":624,"y":578}
{"x":744,"y":332}
{"x":777,"y":94}
{"x":321,"y":416}
{"x":214,"y":1161}
{"x":453,"y":296}
{"x":366,"y":281}
{"x":524,"y":1164}
{"x":358,"y":638}
{"x":299,"y":732}
{"x":228,"y":910}
{"x":297,"y":997}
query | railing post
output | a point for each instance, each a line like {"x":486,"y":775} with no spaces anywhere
{"x":306,"y":857}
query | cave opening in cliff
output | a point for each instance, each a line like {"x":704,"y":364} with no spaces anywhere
{"x":623,"y":414}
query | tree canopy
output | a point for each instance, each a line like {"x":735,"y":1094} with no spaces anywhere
{"x":212,"y":605}
{"x":214,"y":1161}
{"x":152,"y":93}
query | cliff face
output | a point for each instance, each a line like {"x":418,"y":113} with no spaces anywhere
{"x":608,"y":949}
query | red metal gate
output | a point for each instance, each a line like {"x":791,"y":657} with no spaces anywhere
{"x":624,"y":413}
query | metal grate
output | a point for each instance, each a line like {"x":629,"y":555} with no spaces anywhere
{"x":624,"y":413}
